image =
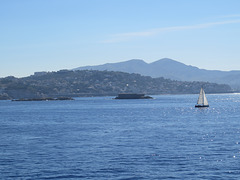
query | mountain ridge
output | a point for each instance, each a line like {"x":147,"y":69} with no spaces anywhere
{"x":172,"y":69}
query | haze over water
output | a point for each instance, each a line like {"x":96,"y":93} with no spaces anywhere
{"x":102,"y":138}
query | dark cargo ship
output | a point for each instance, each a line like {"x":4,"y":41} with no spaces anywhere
{"x":132,"y":96}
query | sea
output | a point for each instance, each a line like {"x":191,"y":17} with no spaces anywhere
{"x":104,"y":138}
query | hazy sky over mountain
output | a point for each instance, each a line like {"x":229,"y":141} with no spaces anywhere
{"x":49,"y":35}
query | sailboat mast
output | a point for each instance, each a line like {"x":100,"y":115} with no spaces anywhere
{"x":203,"y":94}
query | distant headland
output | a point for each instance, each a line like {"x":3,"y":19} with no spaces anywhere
{"x":78,"y":83}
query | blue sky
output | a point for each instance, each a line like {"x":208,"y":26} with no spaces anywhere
{"x":49,"y":35}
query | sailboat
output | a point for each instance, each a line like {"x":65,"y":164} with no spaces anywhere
{"x":202,"y":100}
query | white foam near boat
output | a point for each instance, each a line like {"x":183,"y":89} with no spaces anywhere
{"x":202,"y":100}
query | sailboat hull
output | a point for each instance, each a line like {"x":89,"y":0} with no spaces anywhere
{"x":201,"y":106}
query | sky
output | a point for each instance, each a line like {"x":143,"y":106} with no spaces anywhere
{"x":50,"y":35}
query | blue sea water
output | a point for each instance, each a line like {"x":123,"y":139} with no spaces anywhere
{"x":102,"y":138}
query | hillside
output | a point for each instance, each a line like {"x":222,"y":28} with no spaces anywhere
{"x":96,"y":83}
{"x":172,"y":69}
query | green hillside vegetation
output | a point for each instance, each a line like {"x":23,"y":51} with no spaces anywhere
{"x":66,"y":83}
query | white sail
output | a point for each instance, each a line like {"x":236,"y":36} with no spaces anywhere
{"x":202,"y":100}
{"x":205,"y":102}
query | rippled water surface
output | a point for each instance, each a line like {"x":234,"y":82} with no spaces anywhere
{"x":102,"y":138}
